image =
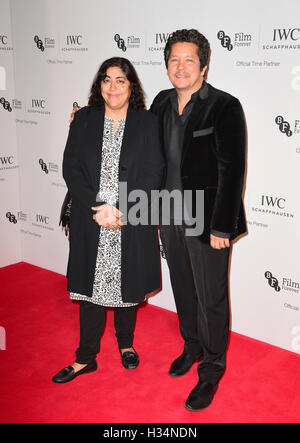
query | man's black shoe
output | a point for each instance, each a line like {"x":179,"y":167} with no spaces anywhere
{"x":201,"y":396}
{"x":68,"y":373}
{"x":183,"y":364}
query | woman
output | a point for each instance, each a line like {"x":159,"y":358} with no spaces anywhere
{"x":111,"y":263}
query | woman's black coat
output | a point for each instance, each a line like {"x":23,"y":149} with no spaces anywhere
{"x":141,"y":166}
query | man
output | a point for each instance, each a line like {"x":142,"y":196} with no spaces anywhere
{"x":203,"y":134}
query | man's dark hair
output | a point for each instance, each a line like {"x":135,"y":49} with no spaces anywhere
{"x":189,"y":36}
{"x":137,"y":97}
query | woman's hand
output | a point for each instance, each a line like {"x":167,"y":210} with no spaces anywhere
{"x":67,"y":230}
{"x":73,"y":113}
{"x":107,"y":216}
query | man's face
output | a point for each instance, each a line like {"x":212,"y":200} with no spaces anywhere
{"x":184,"y":69}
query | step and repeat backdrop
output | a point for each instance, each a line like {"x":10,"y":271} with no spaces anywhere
{"x":49,"y":54}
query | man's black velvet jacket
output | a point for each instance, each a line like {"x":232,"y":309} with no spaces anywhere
{"x":213,"y":157}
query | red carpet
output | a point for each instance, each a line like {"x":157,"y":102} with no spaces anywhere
{"x":261,"y":383}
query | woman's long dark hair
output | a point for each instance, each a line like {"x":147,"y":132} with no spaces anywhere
{"x":137,"y":98}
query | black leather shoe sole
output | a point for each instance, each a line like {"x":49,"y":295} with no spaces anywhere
{"x":68,"y":374}
{"x":187,"y":406}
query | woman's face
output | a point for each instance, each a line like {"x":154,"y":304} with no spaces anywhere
{"x":115,"y":89}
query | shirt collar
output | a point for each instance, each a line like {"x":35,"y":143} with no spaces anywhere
{"x":202,"y":93}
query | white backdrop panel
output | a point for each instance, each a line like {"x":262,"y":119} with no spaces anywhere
{"x":9,"y":162}
{"x":57,"y":49}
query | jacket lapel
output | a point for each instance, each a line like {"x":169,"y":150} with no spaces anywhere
{"x":128,"y":136}
{"x":94,"y":137}
{"x":197,"y":117}
{"x":160,"y":112}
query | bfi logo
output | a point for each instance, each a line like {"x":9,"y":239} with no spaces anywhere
{"x":225,"y":40}
{"x":120,"y":42}
{"x":273,"y":282}
{"x":283,"y":125}
{"x":53,"y":167}
{"x":6,"y":104}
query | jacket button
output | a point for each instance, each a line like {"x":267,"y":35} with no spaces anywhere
{"x":123,"y":168}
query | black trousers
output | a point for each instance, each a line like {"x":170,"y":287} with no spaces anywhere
{"x":199,"y":279}
{"x":92,"y":321}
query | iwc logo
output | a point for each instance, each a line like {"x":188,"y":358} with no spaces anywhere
{"x":283,"y":39}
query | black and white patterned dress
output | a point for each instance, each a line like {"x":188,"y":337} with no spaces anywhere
{"x":107,"y":280}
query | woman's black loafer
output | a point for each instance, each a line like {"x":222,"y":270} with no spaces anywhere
{"x":68,"y":373}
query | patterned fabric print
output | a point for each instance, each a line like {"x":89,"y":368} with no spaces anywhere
{"x":107,"y":281}
{"x":68,"y":208}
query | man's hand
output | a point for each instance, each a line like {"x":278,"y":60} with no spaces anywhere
{"x":66,"y":229}
{"x":73,"y":113}
{"x":219,"y":242}
{"x":107,"y":216}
